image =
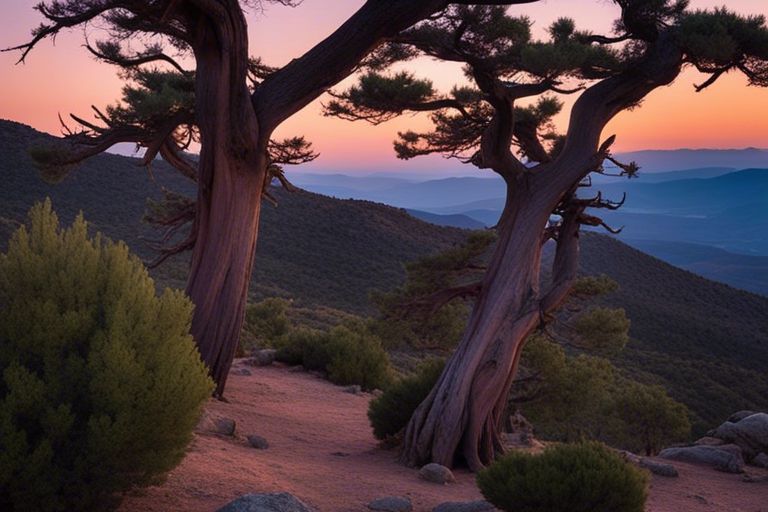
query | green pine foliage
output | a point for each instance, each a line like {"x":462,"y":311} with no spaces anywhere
{"x":574,"y":397}
{"x":650,"y":418}
{"x":410,"y":317}
{"x":584,"y":477}
{"x":390,"y":412}
{"x":264,"y":324}
{"x":348,"y":353}
{"x":101,"y":381}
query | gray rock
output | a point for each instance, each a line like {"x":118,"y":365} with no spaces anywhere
{"x":750,"y":434}
{"x":263,"y":357}
{"x":391,"y":504}
{"x":296,"y":369}
{"x":465,"y":506}
{"x":241,"y":371}
{"x":754,"y":479}
{"x":761,"y":460}
{"x":216,"y":425}
{"x":355,"y":389}
{"x":274,"y":502}
{"x":436,"y":473}
{"x":258,"y":442}
{"x":723,"y":458}
{"x":738,"y":416}
{"x":659,"y":468}
{"x":709,"y":441}
{"x":377,"y":393}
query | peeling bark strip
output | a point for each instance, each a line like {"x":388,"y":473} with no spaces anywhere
{"x":235,"y":125}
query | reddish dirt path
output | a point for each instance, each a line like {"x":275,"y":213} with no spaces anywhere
{"x":322,"y":451}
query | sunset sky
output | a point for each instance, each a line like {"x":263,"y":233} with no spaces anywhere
{"x":62,"y":78}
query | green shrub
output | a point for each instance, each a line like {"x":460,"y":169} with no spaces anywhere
{"x":389,"y":414}
{"x":356,"y":357}
{"x":584,"y":477}
{"x":649,"y":418}
{"x":101,"y":384}
{"x":264,"y":324}
{"x":348,"y":353}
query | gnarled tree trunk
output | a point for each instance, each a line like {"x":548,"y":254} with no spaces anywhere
{"x":463,"y":413}
{"x":232,"y":171}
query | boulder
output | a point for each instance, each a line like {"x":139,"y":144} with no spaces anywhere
{"x":754,"y":479}
{"x":391,"y":504}
{"x":258,"y":442}
{"x":274,"y":502}
{"x":709,"y":441}
{"x":465,"y":506}
{"x":241,"y":371}
{"x":214,"y":424}
{"x":354,"y":389}
{"x":659,"y":468}
{"x":761,"y":460}
{"x":263,"y":357}
{"x":723,"y":458}
{"x":436,"y":473}
{"x":750,"y":434}
{"x":738,"y":416}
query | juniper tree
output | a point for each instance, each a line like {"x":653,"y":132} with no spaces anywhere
{"x":230,"y":103}
{"x":484,"y":125}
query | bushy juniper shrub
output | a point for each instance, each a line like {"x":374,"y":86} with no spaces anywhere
{"x":583,"y":477}
{"x":390,"y":412}
{"x":100,"y":381}
{"x":348,"y":353}
{"x":265,"y":323}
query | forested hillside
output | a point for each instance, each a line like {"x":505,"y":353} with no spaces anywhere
{"x":707,"y":342}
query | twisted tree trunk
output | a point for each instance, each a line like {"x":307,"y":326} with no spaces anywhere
{"x":463,"y":414}
{"x":232,"y":171}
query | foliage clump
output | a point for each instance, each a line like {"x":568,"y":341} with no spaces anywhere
{"x":583,"y":477}
{"x":265,"y":323}
{"x":101,"y":382}
{"x":390,"y":412}
{"x":348,"y":353}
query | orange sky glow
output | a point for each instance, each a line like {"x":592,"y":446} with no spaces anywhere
{"x":63,"y":78}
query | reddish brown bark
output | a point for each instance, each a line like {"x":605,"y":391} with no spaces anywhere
{"x":461,"y":418}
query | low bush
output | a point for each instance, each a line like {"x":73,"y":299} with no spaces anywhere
{"x":100,"y":381}
{"x":389,"y":413}
{"x":348,"y":354}
{"x":583,"y":477}
{"x":264,"y":324}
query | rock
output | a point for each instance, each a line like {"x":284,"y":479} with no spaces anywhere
{"x":630,"y":457}
{"x":354,"y":389}
{"x":377,"y":393}
{"x":465,"y":506}
{"x":738,"y":416}
{"x":391,"y":504}
{"x":436,"y":473}
{"x":750,"y":434}
{"x":723,"y":458}
{"x":241,"y":371}
{"x":263,"y":357}
{"x":258,"y":442}
{"x":216,"y":425}
{"x":274,"y":502}
{"x":659,"y":468}
{"x":761,"y":460}
{"x":709,"y":441}
{"x":296,"y":369}
{"x":754,"y":479}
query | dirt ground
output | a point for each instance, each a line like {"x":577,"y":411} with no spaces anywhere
{"x":322,"y":451}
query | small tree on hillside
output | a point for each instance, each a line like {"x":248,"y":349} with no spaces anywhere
{"x":237,"y":104}
{"x":483,"y":125}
